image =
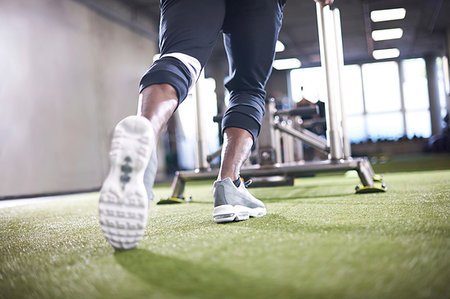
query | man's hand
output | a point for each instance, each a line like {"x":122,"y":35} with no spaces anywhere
{"x":324,"y":2}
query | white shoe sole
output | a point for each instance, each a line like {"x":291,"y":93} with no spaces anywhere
{"x":123,"y":205}
{"x":229,"y":213}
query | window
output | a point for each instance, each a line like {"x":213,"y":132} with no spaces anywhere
{"x":353,"y":102}
{"x":373,"y":100}
{"x":353,"y":91}
{"x":415,"y":91}
{"x":312,"y":80}
{"x":384,"y":125}
{"x":418,"y":123}
{"x":415,"y":84}
{"x":381,"y":87}
{"x":442,"y":65}
{"x":357,"y":128}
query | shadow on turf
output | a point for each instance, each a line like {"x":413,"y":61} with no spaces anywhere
{"x":185,"y":278}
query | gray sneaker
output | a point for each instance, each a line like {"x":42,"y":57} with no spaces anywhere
{"x":123,"y":205}
{"x":233,"y":203}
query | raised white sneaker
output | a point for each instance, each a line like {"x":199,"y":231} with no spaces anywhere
{"x":123,"y":205}
{"x":233,"y":203}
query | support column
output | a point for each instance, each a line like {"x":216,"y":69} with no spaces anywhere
{"x":328,"y":57}
{"x":433,"y":94}
{"x":346,"y":147}
{"x":401,"y":76}
{"x":218,"y":70}
{"x":366,"y":129}
{"x":447,"y":70}
{"x":202,"y":145}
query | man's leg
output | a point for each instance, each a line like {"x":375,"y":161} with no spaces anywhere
{"x":189,"y":30}
{"x":250,"y":33}
{"x":237,"y":144}
{"x":157,"y":103}
{"x":232,"y":201}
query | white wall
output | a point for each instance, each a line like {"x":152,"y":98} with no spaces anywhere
{"x":67,"y":75}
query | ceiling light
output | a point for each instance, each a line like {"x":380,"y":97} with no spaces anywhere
{"x":386,"y":34}
{"x":386,"y":53}
{"x":286,"y":64}
{"x":279,"y":47}
{"x":388,"y":14}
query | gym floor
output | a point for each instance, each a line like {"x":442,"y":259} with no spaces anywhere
{"x":318,"y":240}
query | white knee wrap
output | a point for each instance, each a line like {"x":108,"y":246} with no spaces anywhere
{"x":192,"y":64}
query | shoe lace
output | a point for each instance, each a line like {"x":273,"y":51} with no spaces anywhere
{"x":248,"y":183}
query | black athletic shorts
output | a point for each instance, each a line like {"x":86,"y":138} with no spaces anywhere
{"x":188,"y":32}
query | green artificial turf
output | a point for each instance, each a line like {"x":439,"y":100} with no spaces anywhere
{"x":318,"y":240}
